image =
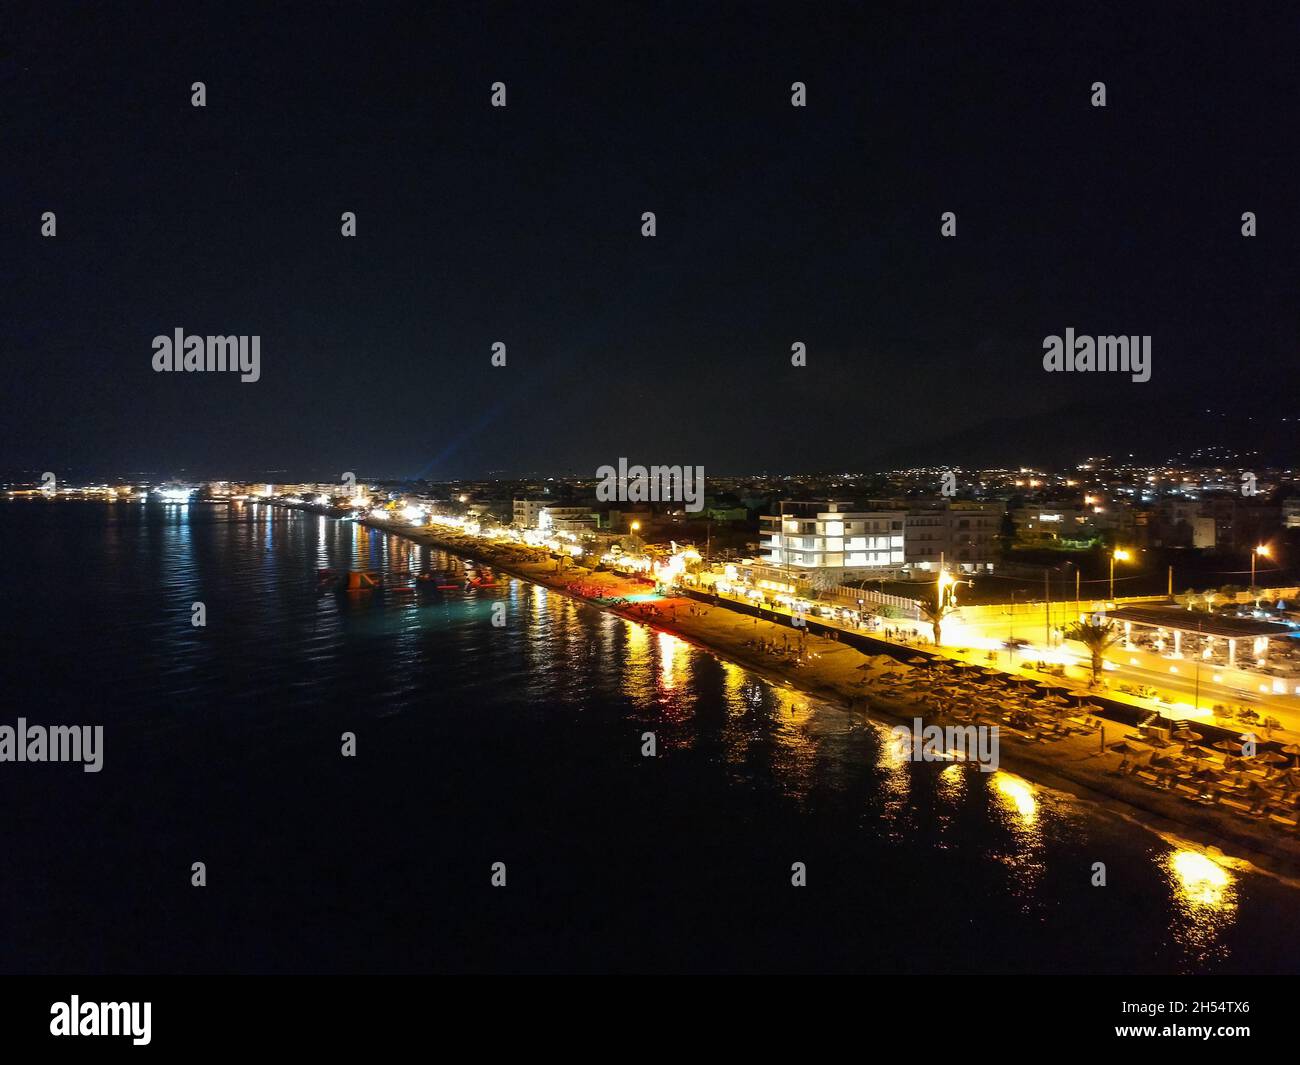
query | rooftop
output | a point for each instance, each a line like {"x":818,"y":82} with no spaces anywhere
{"x":1197,"y":621}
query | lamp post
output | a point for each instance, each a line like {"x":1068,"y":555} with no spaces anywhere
{"x":943,"y":581}
{"x":1197,"y":698}
{"x":1262,"y":551}
{"x":1118,"y":555}
{"x":1011,"y":630}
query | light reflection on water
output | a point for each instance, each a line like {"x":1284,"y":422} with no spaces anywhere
{"x":573,"y":687}
{"x":1205,"y":906}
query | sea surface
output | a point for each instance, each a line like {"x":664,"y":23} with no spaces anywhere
{"x":521,"y":744}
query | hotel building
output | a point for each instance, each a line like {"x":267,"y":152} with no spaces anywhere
{"x":832,"y":536}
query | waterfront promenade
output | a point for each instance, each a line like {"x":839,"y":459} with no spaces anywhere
{"x":1083,"y":754}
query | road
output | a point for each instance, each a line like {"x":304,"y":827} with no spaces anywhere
{"x":972,"y":634}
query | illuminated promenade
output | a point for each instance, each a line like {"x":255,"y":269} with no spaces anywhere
{"x":1074,"y":754}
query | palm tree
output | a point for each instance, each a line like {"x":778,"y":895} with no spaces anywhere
{"x":822,"y":582}
{"x":935,"y":610}
{"x":1098,"y":637}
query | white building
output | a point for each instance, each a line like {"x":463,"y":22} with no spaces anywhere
{"x":527,"y":512}
{"x":828,"y":536}
{"x":545,"y":517}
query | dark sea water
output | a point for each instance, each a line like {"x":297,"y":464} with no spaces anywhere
{"x":520,"y":745}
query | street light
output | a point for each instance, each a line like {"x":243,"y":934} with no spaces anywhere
{"x":1118,"y":555}
{"x":944,"y":581}
{"x":1262,"y":551}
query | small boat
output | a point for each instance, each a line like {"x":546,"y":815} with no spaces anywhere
{"x":362,"y":581}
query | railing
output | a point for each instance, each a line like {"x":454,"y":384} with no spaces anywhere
{"x":869,"y":595}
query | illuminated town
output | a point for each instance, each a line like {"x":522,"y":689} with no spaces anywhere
{"x":648,"y":489}
{"x":1001,"y":579}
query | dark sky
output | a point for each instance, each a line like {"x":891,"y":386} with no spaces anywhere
{"x":775,"y":224}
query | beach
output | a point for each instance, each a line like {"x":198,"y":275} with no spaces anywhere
{"x":1080,"y":763}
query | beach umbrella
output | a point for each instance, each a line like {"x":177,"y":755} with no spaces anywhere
{"x":1272,"y":758}
{"x":1254,"y":789}
{"x":1186,"y":735}
{"x":1128,"y":747}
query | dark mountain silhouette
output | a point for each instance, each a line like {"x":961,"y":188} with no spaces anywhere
{"x":1266,"y":433}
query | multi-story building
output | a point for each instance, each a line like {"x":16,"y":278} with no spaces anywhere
{"x":1241,"y":523}
{"x":832,"y":536}
{"x":545,"y":516}
{"x":527,"y":512}
{"x":964,"y":535}
{"x":1178,"y":522}
{"x":567,"y":520}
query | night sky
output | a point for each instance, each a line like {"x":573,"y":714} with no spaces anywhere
{"x":775,"y":225}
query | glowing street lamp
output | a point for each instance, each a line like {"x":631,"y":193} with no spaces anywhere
{"x":1118,"y":555}
{"x":945,"y":581}
{"x":1262,"y":551}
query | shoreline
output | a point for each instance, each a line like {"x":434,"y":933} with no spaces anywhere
{"x":1073,"y":766}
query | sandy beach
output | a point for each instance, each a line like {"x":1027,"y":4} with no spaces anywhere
{"x":833,"y":672}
